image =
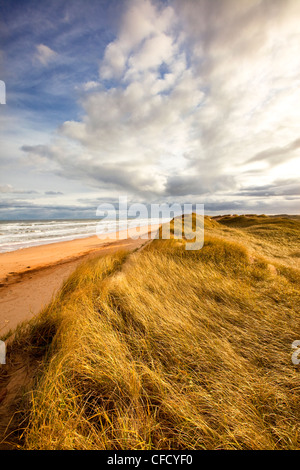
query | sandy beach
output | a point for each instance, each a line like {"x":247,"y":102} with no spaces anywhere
{"x":30,"y":277}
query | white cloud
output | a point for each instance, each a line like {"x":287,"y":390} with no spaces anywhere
{"x":91,"y":85}
{"x":155,"y":51}
{"x":113,"y":63}
{"x":44,"y":54}
{"x":144,"y":40}
{"x":190,"y":94}
{"x":9,"y":189}
{"x":6,"y":188}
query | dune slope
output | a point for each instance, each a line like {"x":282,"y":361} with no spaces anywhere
{"x":170,"y":349}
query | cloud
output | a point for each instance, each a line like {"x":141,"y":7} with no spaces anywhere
{"x":275,"y":156}
{"x":44,"y":54}
{"x":282,"y":188}
{"x":144,"y":40}
{"x":131,"y":130}
{"x":194,"y":185}
{"x":53,"y":193}
{"x":18,"y":209}
{"x":9,"y":189}
{"x":6,"y":188}
{"x":90,"y":85}
{"x":190,"y":97}
{"x":39,"y":155}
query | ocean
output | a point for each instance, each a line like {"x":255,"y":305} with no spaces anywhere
{"x":15,"y":235}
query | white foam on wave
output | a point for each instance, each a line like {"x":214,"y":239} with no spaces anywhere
{"x":24,"y":234}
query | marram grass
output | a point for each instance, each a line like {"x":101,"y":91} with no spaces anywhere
{"x":171,"y":349}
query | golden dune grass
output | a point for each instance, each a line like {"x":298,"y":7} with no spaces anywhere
{"x":170,"y":349}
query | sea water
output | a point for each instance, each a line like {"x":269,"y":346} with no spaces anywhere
{"x":18,"y":234}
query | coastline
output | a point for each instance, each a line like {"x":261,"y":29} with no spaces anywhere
{"x":30,"y":277}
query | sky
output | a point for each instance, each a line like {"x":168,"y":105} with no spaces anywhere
{"x":179,"y":101}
